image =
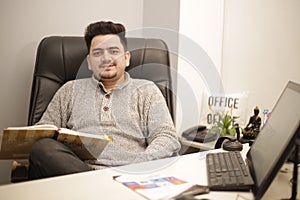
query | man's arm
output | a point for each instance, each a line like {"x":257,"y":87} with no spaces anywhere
{"x":161,"y":133}
{"x":57,"y":112}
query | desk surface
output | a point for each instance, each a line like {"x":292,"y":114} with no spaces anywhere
{"x":100,"y":184}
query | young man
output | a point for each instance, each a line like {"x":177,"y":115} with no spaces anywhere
{"x":132,"y":111}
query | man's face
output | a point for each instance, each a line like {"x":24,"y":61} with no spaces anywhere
{"x":108,"y":59}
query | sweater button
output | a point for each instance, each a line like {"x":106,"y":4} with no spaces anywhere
{"x":105,"y":108}
{"x":107,"y":96}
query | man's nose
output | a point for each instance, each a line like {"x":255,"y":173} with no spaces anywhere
{"x":106,"y":57}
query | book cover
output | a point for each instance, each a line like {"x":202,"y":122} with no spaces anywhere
{"x":16,"y":142}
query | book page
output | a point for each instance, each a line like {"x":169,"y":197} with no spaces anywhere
{"x":35,"y":127}
{"x":85,"y":147}
{"x":89,"y":135}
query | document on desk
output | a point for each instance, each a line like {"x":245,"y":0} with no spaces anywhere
{"x":156,"y":187}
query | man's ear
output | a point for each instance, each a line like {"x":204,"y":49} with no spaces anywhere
{"x":89,"y":62}
{"x":127,"y":58}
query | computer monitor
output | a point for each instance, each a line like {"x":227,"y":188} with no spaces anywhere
{"x":276,"y":139}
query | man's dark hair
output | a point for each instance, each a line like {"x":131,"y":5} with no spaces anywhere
{"x":104,"y":28}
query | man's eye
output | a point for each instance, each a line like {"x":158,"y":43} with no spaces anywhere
{"x":96,"y":53}
{"x":114,"y":52}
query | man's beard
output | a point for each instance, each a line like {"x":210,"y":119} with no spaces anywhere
{"x":107,"y":76}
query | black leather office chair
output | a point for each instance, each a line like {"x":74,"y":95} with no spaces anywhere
{"x":59,"y":59}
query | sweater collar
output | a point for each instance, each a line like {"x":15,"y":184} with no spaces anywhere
{"x":126,"y":81}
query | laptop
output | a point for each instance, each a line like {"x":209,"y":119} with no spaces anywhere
{"x":274,"y":143}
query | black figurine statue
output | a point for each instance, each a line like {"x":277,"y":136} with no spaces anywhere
{"x":253,"y":127}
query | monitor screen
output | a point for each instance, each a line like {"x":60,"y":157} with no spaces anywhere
{"x":276,"y":138}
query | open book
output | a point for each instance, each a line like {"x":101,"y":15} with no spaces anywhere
{"x":16,"y":142}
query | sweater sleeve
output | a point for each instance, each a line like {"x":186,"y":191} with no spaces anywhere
{"x":57,"y":112}
{"x":161,"y":133}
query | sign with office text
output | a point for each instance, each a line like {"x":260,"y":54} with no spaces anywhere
{"x":234,"y":105}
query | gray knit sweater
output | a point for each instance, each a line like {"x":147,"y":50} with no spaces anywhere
{"x":134,"y":113}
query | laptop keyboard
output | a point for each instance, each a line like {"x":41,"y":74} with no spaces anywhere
{"x":227,"y":171}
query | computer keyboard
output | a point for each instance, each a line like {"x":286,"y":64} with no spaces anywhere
{"x":227,"y":171}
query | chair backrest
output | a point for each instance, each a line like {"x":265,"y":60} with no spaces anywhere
{"x":60,"y":59}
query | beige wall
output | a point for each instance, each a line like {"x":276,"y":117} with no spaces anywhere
{"x":25,"y":23}
{"x":261,"y":48}
{"x":163,"y":14}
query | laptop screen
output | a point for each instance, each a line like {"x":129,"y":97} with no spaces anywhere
{"x":276,"y":139}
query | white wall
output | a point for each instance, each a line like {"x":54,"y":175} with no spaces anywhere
{"x":261,"y":49}
{"x":200,"y":57}
{"x":254,"y":43}
{"x":25,"y":23}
